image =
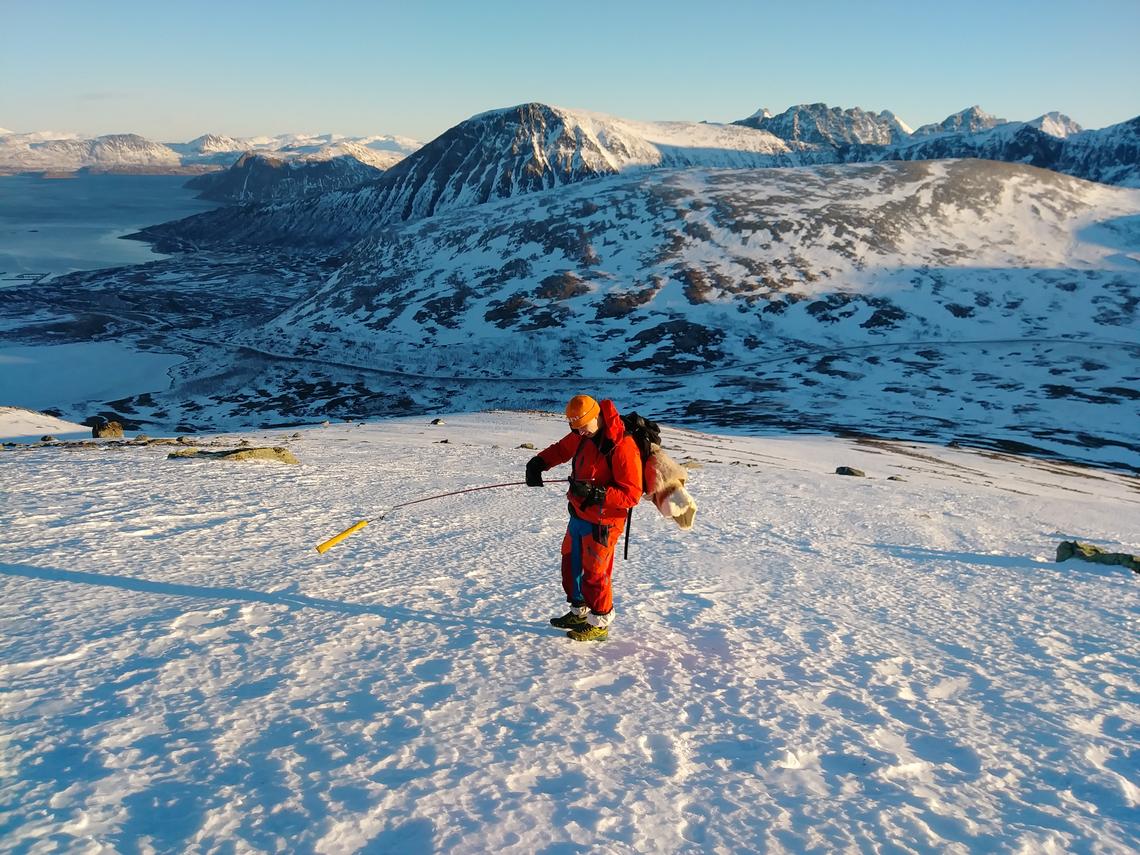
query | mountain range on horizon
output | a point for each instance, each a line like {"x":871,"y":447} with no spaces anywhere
{"x":812,"y":125}
{"x":51,"y":152}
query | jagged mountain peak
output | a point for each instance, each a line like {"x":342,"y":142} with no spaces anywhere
{"x":970,"y":120}
{"x":1056,"y":125}
{"x":820,"y":124}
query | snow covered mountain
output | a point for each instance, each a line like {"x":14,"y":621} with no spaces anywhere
{"x":972,"y":301}
{"x":1111,"y":154}
{"x":831,"y":126}
{"x":494,"y":155}
{"x":1052,"y":141}
{"x":1043,"y":142}
{"x":264,"y":178}
{"x":210,"y":144}
{"x":48,"y":151}
{"x":111,"y":153}
{"x":972,"y":120}
{"x":1057,"y":125}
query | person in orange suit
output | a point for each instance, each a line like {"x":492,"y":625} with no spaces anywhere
{"x":605,"y":482}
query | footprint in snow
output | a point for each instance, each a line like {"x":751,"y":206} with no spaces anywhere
{"x":660,"y":752}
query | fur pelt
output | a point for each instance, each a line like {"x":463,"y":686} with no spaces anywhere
{"x":665,"y":487}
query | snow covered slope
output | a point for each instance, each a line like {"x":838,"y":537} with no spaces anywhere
{"x":1111,"y":155}
{"x":1052,"y":141}
{"x":821,"y":664}
{"x":18,"y":423}
{"x":957,"y":293}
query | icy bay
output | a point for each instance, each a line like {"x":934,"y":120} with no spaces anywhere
{"x":54,"y":226}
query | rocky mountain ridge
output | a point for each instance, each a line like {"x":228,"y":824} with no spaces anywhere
{"x":972,"y":120}
{"x":819,"y":124}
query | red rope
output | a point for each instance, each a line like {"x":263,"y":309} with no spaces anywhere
{"x":445,"y":495}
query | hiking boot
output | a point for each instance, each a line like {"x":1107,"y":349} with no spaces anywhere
{"x":570,"y":620}
{"x":589,"y":632}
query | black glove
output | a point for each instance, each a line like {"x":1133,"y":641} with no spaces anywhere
{"x":534,"y":469}
{"x":590,"y":494}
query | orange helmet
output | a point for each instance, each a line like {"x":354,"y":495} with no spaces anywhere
{"x":580,"y":410}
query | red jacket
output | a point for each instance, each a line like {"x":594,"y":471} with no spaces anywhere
{"x":618,"y":470}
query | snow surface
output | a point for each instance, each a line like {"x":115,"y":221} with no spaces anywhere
{"x":821,"y":664}
{"x":16,"y":423}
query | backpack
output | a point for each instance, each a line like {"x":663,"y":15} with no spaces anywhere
{"x":662,"y":479}
{"x":647,"y":434}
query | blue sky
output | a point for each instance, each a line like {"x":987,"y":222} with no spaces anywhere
{"x":172,"y":71}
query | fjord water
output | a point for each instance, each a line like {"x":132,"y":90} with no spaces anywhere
{"x":52,"y":226}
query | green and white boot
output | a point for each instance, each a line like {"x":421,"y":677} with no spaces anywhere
{"x":573,"y":619}
{"x":589,"y":632}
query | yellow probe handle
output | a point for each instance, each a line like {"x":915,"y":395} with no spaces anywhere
{"x":333,"y":541}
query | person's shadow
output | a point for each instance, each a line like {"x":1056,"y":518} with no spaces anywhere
{"x":283,"y":598}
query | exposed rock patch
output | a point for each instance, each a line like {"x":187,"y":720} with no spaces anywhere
{"x":275,"y":454}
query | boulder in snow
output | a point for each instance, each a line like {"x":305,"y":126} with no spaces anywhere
{"x":107,"y":430}
{"x":1087,"y":552}
{"x":276,"y":454}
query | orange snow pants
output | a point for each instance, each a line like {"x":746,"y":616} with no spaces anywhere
{"x":588,"y":563}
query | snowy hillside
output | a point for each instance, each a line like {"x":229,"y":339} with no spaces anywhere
{"x":821,"y":664}
{"x":956,"y":293}
{"x":208,"y":144}
{"x":18,"y":423}
{"x":1053,"y":141}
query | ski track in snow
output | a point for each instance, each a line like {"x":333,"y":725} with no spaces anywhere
{"x":822,"y":664}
